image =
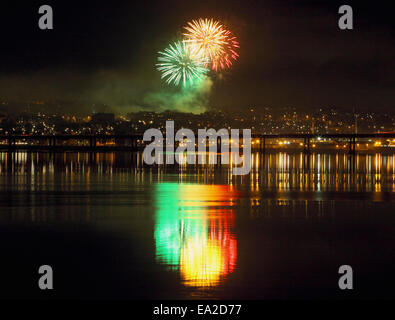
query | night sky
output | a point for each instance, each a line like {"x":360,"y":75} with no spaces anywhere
{"x":292,"y":54}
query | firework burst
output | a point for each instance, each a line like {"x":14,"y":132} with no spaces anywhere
{"x":206,"y":36}
{"x":229,"y":53}
{"x":214,"y":41}
{"x":181,"y":63}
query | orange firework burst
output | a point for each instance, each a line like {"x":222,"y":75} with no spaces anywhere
{"x":211,"y":38}
{"x":228,"y":55}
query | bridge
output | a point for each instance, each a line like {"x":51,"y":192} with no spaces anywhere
{"x":351,"y":138}
{"x":134,"y":142}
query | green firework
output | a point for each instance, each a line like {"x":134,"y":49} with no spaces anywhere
{"x":181,"y":64}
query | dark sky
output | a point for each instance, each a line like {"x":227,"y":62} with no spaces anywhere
{"x":292,"y":54}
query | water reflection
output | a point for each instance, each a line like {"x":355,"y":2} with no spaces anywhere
{"x":262,"y":235}
{"x":279,"y":171}
{"x":193,"y":231}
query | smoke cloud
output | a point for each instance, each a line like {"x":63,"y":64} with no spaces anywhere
{"x":104,"y":91}
{"x":191,"y":99}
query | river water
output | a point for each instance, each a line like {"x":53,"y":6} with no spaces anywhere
{"x":113,"y":228}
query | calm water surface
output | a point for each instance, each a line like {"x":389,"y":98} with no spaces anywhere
{"x":112,"y":228}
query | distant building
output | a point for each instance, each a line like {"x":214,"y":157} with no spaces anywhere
{"x":103,"y":118}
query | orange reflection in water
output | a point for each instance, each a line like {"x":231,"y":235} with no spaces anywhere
{"x":193,"y":231}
